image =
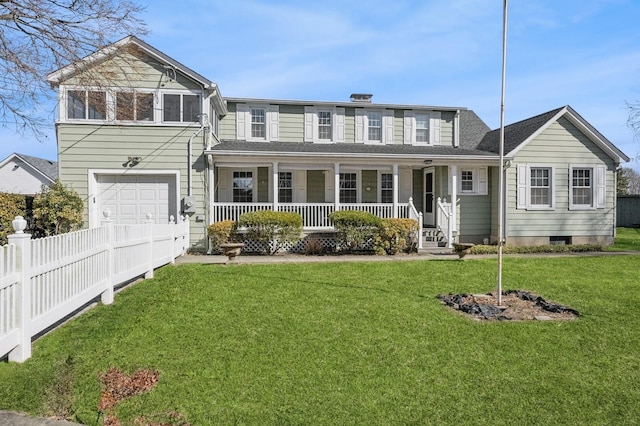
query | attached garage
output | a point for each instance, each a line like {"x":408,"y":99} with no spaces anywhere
{"x":131,"y":197}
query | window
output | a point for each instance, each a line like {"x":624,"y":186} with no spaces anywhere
{"x":181,"y":108}
{"x":422,"y":128}
{"x":348,"y":188}
{"x":582,"y":187}
{"x":258,"y":123}
{"x":285,"y":187}
{"x":535,"y":187}
{"x":325,"y":130}
{"x":375,"y":126}
{"x":466,"y":181}
{"x":134,"y":106}
{"x":386,"y":188}
{"x":242,"y":187}
{"x":540,"y":187}
{"x":86,"y":105}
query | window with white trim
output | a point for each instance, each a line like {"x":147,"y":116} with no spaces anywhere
{"x":374,"y":119}
{"x":348,"y":188}
{"x":325,"y":129}
{"x":258,"y":123}
{"x":386,"y":188}
{"x":134,"y":106}
{"x":535,"y":187}
{"x":242,"y":187}
{"x":422,"y":128}
{"x":285,"y":187}
{"x":181,"y":108}
{"x":473,"y":181}
{"x":581,"y":187}
{"x":86,"y":105}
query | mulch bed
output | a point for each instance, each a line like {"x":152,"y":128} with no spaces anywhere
{"x":517,"y":305}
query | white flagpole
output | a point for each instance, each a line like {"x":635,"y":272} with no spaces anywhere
{"x":501,"y":238}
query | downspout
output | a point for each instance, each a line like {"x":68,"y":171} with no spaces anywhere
{"x":204,"y":125}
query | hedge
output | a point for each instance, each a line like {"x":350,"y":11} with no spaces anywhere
{"x":355,"y":228}
{"x":273,"y":230}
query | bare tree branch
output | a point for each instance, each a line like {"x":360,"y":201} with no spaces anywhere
{"x":41,"y":36}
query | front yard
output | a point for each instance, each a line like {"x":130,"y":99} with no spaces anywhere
{"x":349,"y":343}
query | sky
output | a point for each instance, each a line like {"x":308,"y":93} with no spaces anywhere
{"x":582,"y":53}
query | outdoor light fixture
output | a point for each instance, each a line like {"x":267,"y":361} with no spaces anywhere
{"x":132,"y":161}
{"x":428,"y":161}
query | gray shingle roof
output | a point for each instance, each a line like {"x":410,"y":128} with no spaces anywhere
{"x":343,"y":148}
{"x":472,"y":129}
{"x":516,"y":133}
{"x":47,"y":167}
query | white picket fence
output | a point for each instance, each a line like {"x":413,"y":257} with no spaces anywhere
{"x":43,"y":281}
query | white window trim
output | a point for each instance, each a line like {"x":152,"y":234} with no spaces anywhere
{"x":136,"y":92}
{"x":480,"y":180}
{"x":254,"y":178}
{"x":243,"y":122}
{"x":410,"y":127}
{"x":158,"y":106}
{"x":523,"y":184}
{"x":358,"y":173}
{"x":362,"y":126}
{"x":598,"y":180}
{"x":380,"y":173}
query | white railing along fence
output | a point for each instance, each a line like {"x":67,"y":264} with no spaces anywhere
{"x":43,"y":281}
{"x":314,"y":215}
{"x":444,"y":220}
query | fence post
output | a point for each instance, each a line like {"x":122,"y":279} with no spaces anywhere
{"x":22,"y":241}
{"x":172,"y":222}
{"x":149,"y":225}
{"x":107,"y":295}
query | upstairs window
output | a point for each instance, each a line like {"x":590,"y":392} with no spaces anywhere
{"x":375,"y":126}
{"x":86,"y":105}
{"x":325,"y":129}
{"x":258,"y":123}
{"x":181,"y":108}
{"x":422,"y":128}
{"x":132,"y":106}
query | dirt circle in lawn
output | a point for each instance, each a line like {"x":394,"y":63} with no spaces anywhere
{"x":517,"y":305}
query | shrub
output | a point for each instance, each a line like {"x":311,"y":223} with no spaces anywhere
{"x":11,"y":205}
{"x":56,"y":210}
{"x":396,"y":235}
{"x":355,"y":228}
{"x":273,"y":230}
{"x":221,"y":233}
{"x":554,"y":248}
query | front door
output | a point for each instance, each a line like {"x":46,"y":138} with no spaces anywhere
{"x":429,"y":198}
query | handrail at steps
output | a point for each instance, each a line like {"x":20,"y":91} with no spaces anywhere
{"x":414,"y":214}
{"x":444,"y":212}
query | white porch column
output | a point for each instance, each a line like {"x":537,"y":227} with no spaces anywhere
{"x":275,"y":186}
{"x":454,"y":197}
{"x":395,"y":190}
{"x":212,"y":190}
{"x":336,"y":185}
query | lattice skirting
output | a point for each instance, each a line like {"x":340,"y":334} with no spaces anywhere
{"x":312,"y":243}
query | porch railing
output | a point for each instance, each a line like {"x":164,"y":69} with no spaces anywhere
{"x":414,"y":214}
{"x":444,"y":220}
{"x":314,"y":215}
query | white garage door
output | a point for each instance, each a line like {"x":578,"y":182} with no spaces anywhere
{"x":131,"y":197}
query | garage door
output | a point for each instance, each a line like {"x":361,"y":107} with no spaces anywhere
{"x":131,"y":197}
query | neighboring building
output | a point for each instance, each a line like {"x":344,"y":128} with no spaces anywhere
{"x":24,"y":174}
{"x":159,"y":138}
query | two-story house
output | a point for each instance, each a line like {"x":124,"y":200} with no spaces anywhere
{"x":140,"y":133}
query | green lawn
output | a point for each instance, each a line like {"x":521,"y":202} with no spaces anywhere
{"x":358,"y":343}
{"x":627,"y":239}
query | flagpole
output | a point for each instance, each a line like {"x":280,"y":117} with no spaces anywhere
{"x":501,"y":238}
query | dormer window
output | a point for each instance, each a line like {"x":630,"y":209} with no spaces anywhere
{"x":86,"y":105}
